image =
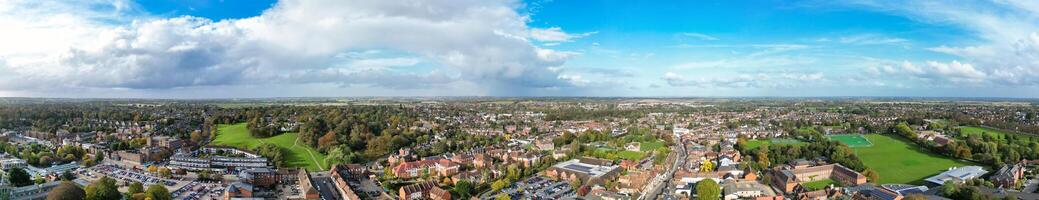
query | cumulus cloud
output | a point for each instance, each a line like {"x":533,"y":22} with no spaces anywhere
{"x":1006,"y":50}
{"x":296,"y":41}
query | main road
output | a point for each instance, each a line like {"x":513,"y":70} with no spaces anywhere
{"x":663,"y":180}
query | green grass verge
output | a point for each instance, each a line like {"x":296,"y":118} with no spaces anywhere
{"x":298,"y":155}
{"x":852,"y":140}
{"x":820,"y":184}
{"x":898,"y":160}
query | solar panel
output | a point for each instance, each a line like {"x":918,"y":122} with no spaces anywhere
{"x":579,"y":168}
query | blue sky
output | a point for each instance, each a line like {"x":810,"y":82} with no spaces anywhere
{"x":266,"y":48}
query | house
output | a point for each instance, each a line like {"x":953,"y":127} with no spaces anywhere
{"x":747,"y":190}
{"x":262,"y":177}
{"x":306,"y":186}
{"x":635,"y":181}
{"x":238,"y":190}
{"x":1008,"y":176}
{"x":433,"y":167}
{"x":341,"y":176}
{"x":424,"y":190}
{"x":633,"y":146}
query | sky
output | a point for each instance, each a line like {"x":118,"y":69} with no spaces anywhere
{"x":679,"y":48}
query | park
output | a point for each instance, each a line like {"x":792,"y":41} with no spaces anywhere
{"x":898,"y":160}
{"x":297,"y":154}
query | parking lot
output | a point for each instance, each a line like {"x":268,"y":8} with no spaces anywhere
{"x":538,"y":187}
{"x":199,"y":191}
{"x":129,"y":175}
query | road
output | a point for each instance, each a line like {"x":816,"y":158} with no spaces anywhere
{"x":324,"y":185}
{"x":663,"y":180}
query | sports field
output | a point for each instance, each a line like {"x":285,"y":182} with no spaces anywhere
{"x":297,"y":153}
{"x":852,"y":140}
{"x":900,"y":161}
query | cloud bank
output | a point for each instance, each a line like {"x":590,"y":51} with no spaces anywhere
{"x":479,"y":45}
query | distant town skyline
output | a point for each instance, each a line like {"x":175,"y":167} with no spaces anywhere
{"x":343,"y":48}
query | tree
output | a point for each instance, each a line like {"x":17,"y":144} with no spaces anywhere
{"x":165,"y":172}
{"x":103,"y":189}
{"x":135,"y":187}
{"x":66,"y":191}
{"x":157,"y":192}
{"x":916,"y":196}
{"x":19,"y":177}
{"x":706,"y":166}
{"x":503,"y":197}
{"x":707,"y":189}
{"x":873,"y":176}
{"x":499,"y":184}
{"x":949,"y":188}
{"x":464,"y":189}
{"x":67,"y":176}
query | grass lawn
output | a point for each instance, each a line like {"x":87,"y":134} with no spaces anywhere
{"x":820,"y":184}
{"x":298,"y":154}
{"x":852,"y":140}
{"x":971,"y":130}
{"x":898,"y":160}
{"x":651,"y":146}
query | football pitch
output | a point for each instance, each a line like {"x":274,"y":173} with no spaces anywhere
{"x":852,"y":140}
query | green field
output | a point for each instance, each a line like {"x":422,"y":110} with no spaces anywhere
{"x":1000,"y":134}
{"x":651,"y":146}
{"x":752,"y":144}
{"x":820,"y":184}
{"x":898,"y":160}
{"x":614,"y":154}
{"x":852,"y":140}
{"x":298,"y":154}
{"x":630,"y":155}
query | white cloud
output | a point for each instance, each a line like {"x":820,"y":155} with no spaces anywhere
{"x":700,"y":36}
{"x":870,"y":39}
{"x":554,"y":35}
{"x":90,"y":44}
{"x":1003,"y":52}
{"x":746,"y":80}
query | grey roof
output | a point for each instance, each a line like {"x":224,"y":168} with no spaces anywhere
{"x":957,"y":174}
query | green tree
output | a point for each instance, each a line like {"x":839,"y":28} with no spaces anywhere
{"x":707,"y":189}
{"x":103,"y":189}
{"x":135,"y":187}
{"x":66,"y":191}
{"x":872,"y":175}
{"x":464,"y":189}
{"x":165,"y":172}
{"x":503,"y":197}
{"x":157,"y":192}
{"x":499,"y":184}
{"x":19,"y":177}
{"x":949,"y":189}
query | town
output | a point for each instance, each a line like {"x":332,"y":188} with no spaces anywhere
{"x":490,"y":148}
